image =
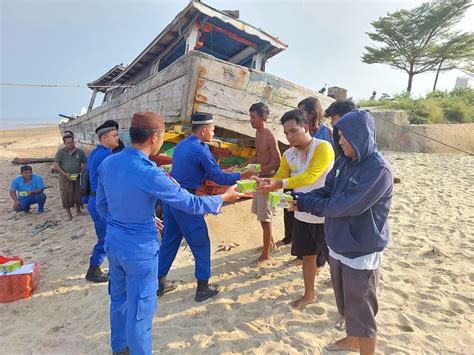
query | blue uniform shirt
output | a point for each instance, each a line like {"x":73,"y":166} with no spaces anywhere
{"x":129,"y":187}
{"x":95,"y":158}
{"x":23,"y":189}
{"x":193,"y":162}
{"x":325,"y":134}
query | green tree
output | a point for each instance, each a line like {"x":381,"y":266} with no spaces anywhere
{"x":453,"y":53}
{"x":410,"y":39}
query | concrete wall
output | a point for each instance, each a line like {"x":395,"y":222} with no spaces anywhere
{"x":410,"y":138}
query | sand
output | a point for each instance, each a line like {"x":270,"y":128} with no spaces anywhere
{"x":426,"y":287}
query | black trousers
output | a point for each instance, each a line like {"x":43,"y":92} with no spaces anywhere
{"x":288,"y":218}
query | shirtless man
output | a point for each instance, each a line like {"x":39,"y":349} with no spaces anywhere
{"x":268,"y":156}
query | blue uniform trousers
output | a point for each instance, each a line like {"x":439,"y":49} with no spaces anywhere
{"x":27,"y":201}
{"x":133,"y":282}
{"x":98,"y":253}
{"x":194,"y":229}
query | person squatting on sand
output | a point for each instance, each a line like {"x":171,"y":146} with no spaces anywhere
{"x":192,"y":163}
{"x":131,"y":241}
{"x":70,"y":162}
{"x":107,"y":134}
{"x":268,"y":156}
{"x":303,"y":168}
{"x":26,"y":190}
{"x":355,"y":201}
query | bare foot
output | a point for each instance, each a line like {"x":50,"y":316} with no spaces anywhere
{"x":344,"y":344}
{"x":80,"y":213}
{"x":296,"y":262}
{"x":302,"y":302}
{"x":69,"y":218}
{"x":282,"y":243}
{"x":262,"y":259}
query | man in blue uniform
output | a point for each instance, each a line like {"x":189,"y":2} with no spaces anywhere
{"x":27,"y":190}
{"x":108,"y":140}
{"x":192,"y":163}
{"x":128,"y":189}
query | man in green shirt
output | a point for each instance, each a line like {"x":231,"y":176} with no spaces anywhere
{"x":70,"y":162}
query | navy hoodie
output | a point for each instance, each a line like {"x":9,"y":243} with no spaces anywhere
{"x":357,"y":194}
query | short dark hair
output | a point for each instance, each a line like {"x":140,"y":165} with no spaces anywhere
{"x":140,"y":135}
{"x":25,"y":168}
{"x":296,"y":115}
{"x":261,"y":109}
{"x":68,"y":133}
{"x":196,"y":127}
{"x":67,"y":136}
{"x":340,"y":107}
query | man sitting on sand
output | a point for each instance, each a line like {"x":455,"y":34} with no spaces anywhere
{"x":26,"y":190}
{"x":70,"y":162}
{"x":304,"y":168}
{"x":268,"y":156}
{"x":356,"y":201}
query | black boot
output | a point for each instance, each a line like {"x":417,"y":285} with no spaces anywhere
{"x":204,"y":291}
{"x":125,"y":351}
{"x":165,"y":286}
{"x":95,"y":274}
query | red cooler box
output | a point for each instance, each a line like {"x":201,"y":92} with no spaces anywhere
{"x":19,"y":286}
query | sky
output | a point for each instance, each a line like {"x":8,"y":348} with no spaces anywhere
{"x":75,"y":42}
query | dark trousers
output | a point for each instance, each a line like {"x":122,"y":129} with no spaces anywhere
{"x":194,"y":229}
{"x":356,"y":297}
{"x":288,"y":218}
{"x":26,"y":202}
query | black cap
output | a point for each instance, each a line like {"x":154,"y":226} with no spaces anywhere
{"x":107,"y":126}
{"x":201,"y":118}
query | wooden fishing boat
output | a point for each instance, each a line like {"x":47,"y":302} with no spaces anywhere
{"x":205,"y":60}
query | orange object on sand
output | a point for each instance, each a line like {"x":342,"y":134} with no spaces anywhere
{"x":16,"y":287}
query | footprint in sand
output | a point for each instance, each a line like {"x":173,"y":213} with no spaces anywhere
{"x":406,"y":329}
{"x":316,"y":309}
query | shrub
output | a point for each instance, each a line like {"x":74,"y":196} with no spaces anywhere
{"x":458,"y":111}
{"x":455,"y":106}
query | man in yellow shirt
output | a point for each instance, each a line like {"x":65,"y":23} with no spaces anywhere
{"x":303,"y":168}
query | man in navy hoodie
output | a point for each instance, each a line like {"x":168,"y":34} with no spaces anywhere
{"x":355,"y":201}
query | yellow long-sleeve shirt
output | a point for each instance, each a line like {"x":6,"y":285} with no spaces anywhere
{"x":304,"y":171}
{"x":299,"y":169}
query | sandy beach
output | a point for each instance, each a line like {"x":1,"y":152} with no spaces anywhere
{"x":426,"y":289}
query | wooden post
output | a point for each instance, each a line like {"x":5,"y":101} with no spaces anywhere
{"x":192,"y":38}
{"x":91,"y":104}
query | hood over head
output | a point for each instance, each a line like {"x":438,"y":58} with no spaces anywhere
{"x":359,"y":130}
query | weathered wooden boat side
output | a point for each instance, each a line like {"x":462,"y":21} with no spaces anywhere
{"x":198,"y":82}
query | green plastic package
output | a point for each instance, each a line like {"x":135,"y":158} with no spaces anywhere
{"x":256,"y":167}
{"x":279,"y":200}
{"x":9,"y":266}
{"x":245,"y":186}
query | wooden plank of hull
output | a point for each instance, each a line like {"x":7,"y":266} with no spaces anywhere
{"x":227,"y":91}
{"x":199,"y":82}
{"x":162,"y":93}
